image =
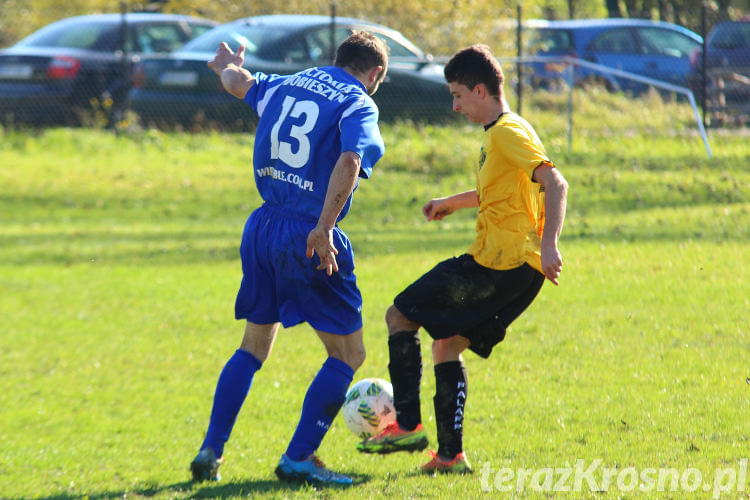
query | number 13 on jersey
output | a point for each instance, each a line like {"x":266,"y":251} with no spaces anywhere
{"x":283,"y":150}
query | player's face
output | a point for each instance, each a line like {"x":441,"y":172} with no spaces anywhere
{"x":375,"y":85}
{"x":466,"y":101}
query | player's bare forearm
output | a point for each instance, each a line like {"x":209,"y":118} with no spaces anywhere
{"x":438,"y":208}
{"x":237,"y":81}
{"x":555,"y":203}
{"x":340,"y":186}
{"x":228,"y":66}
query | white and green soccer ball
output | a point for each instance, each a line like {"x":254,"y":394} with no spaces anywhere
{"x":368,"y":407}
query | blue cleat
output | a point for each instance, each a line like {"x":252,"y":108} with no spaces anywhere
{"x":205,"y":466}
{"x":311,"y":471}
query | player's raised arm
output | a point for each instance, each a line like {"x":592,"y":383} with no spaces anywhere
{"x":228,"y":66}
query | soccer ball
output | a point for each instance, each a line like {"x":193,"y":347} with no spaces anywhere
{"x":368,"y":407}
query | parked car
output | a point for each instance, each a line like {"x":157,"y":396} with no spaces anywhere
{"x":727,"y":63}
{"x":54,"y":74}
{"x":653,"y":49}
{"x":181,"y":88}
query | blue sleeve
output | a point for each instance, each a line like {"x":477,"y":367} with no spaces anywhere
{"x":360,"y":134}
{"x":257,"y":92}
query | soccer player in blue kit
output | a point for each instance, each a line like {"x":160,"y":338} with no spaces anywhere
{"x":317,"y":135}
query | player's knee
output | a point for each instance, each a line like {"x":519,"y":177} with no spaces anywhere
{"x":449,"y":349}
{"x":438,"y":347}
{"x":355,"y":357}
{"x":390,"y":314}
{"x":398,"y":322}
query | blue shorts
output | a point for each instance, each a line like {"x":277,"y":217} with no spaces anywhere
{"x":279,"y":283}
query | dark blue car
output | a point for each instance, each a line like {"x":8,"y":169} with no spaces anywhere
{"x":180,"y":88}
{"x":68,"y":68}
{"x":727,"y":64}
{"x":653,"y":49}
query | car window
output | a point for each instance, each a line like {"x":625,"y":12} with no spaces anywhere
{"x":731,"y":36}
{"x":150,"y":38}
{"x":663,"y":42}
{"x":396,"y":49}
{"x":197,"y":30}
{"x":317,"y":47}
{"x":615,"y":41}
{"x":319,"y":43}
{"x":252,"y":37}
{"x":292,"y":50}
{"x":551,"y":40}
{"x":83,"y":35}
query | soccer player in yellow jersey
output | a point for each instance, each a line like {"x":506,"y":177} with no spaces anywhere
{"x":469,"y":301}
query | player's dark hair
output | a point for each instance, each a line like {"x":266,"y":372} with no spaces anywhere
{"x":474,"y":65}
{"x":362,"y":51}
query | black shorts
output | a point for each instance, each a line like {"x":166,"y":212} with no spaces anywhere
{"x":460,"y":297}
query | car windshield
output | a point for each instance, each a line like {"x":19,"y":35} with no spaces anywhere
{"x":551,"y":40}
{"x":732,"y":36}
{"x":81,"y":35}
{"x":252,"y":37}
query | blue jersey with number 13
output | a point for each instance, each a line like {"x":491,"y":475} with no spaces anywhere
{"x":306,"y":121}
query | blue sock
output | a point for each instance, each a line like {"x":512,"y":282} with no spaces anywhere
{"x":231,"y":390}
{"x":322,"y":402}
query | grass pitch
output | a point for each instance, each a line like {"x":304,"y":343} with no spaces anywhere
{"x":119,"y":265}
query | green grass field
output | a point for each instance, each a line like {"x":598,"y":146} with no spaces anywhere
{"x":119,"y":266}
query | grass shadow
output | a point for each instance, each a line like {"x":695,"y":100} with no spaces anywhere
{"x":192,"y":489}
{"x":201,"y":246}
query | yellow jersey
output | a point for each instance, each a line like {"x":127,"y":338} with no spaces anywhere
{"x":511,"y":205}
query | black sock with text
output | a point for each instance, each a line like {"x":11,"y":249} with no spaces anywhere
{"x":450,"y":400}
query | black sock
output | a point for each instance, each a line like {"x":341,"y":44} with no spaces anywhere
{"x":405,"y":369}
{"x":450,"y":400}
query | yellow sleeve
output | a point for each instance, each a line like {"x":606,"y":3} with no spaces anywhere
{"x":519,"y":148}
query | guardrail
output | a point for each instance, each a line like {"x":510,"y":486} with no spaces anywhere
{"x":568,"y":74}
{"x":729,"y":84}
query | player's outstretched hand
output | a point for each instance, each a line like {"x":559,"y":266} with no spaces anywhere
{"x":437,"y":209}
{"x":551,"y":262}
{"x":320,"y":241}
{"x":224,"y":57}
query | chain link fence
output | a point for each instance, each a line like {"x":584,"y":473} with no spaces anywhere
{"x":720,"y":76}
{"x":124,"y":70}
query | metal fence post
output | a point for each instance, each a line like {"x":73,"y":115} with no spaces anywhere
{"x":519,"y":50}
{"x":570,"y":77}
{"x":332,"y":33}
{"x":703,"y":64}
{"x":119,"y":93}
